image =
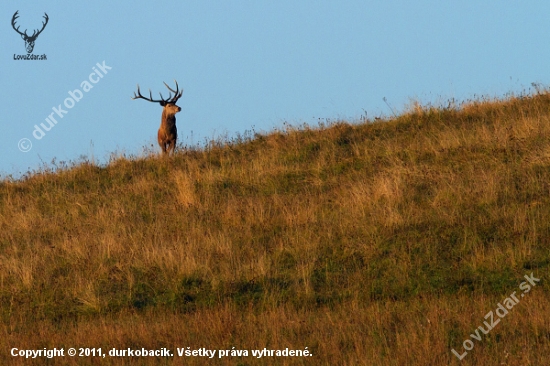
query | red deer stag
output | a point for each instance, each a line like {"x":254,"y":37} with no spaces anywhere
{"x":168,"y":133}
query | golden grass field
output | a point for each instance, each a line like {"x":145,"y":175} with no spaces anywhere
{"x":370,"y":243}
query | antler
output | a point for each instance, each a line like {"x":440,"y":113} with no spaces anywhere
{"x":150,"y":99}
{"x":35,"y":34}
{"x":15,"y":16}
{"x":170,"y":99}
{"x":177,"y":93}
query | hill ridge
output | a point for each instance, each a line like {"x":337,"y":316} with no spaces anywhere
{"x":387,"y":239}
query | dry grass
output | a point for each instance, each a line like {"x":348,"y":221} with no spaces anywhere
{"x":377,"y":243}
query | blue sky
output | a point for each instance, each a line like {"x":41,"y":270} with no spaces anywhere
{"x":250,"y":65}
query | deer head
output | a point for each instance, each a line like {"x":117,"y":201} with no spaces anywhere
{"x":29,"y":40}
{"x":167,"y":133}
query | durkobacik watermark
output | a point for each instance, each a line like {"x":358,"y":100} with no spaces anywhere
{"x":100,"y":70}
{"x":501,"y":311}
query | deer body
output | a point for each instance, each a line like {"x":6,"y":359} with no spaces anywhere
{"x":167,"y":133}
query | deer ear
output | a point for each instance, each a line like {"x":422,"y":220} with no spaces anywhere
{"x":23,"y":36}
{"x":162,"y":103}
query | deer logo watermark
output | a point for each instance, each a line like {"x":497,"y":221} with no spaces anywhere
{"x":29,"y":40}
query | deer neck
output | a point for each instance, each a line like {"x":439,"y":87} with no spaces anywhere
{"x":168,"y":119}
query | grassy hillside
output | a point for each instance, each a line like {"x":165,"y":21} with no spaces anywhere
{"x":379,"y":243}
